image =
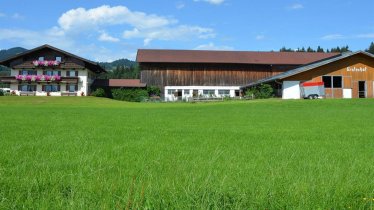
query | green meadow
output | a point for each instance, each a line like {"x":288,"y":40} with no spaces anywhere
{"x":96,"y":153}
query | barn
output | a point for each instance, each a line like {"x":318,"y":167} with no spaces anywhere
{"x":347,"y":75}
{"x":189,"y":73}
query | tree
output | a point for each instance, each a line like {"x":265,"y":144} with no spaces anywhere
{"x":310,"y":50}
{"x":284,"y":49}
{"x":320,"y":49}
{"x":371,"y":48}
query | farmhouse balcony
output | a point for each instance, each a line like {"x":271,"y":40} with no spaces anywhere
{"x":12,"y":79}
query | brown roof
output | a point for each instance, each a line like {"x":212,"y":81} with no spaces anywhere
{"x":118,"y":83}
{"x":93,"y":66}
{"x":239,"y":57}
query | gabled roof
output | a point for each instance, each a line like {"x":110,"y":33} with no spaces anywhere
{"x":308,"y":67}
{"x":92,"y":65}
{"x":229,"y":57}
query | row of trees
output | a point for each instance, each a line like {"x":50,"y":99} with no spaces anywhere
{"x":122,"y":72}
{"x":319,"y":49}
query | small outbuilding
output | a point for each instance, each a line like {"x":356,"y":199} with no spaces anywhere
{"x":347,"y":75}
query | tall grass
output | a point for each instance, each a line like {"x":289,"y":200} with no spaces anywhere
{"x":95,"y":153}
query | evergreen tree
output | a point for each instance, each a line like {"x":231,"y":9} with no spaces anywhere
{"x":371,"y":48}
{"x":310,"y":49}
{"x":320,"y":49}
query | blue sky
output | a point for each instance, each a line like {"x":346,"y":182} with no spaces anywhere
{"x":112,"y":29}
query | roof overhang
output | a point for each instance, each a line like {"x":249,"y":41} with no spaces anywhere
{"x":93,"y":66}
{"x":306,"y":68}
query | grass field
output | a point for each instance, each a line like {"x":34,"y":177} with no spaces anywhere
{"x":94,"y":153}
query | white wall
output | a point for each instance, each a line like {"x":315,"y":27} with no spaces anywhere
{"x":291,"y":90}
{"x":83,"y":83}
{"x":200,"y":89}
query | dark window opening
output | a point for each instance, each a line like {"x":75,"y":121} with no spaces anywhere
{"x":327,"y":81}
{"x":337,"y":81}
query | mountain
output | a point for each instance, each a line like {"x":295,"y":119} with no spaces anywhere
{"x":4,"y":54}
{"x":110,"y":66}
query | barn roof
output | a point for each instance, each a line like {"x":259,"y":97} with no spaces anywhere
{"x":118,"y":83}
{"x":93,"y":66}
{"x":237,"y":57}
{"x":308,"y":67}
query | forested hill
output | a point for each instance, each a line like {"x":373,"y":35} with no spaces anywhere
{"x":4,"y":54}
{"x":121,"y":62}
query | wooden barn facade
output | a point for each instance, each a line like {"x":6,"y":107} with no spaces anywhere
{"x":348,"y":75}
{"x":188,"y":73}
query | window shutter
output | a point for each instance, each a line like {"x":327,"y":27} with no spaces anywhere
{"x":59,"y":73}
{"x":43,"y":87}
{"x":76,"y":73}
{"x":58,"y":88}
{"x":68,"y":73}
{"x":76,"y":87}
{"x":20,"y":72}
{"x":19,"y":87}
{"x":67,"y":87}
{"x":44,"y":72}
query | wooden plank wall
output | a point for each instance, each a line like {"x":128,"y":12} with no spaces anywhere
{"x":350,"y":78}
{"x":182,"y":74}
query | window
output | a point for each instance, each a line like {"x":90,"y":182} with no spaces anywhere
{"x":29,"y":88}
{"x":58,"y":58}
{"x":186,"y":92}
{"x":224,"y":92}
{"x":41,"y":58}
{"x":208,"y":92}
{"x":23,"y":72}
{"x":337,"y":81}
{"x":51,"y":88}
{"x":171,"y":92}
{"x":327,"y":81}
{"x":52,"y":73}
{"x":332,"y":81}
{"x":72,"y":73}
{"x":71,"y":87}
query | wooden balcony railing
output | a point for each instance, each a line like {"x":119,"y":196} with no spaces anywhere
{"x":12,"y":79}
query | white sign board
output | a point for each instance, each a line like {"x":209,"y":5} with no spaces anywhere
{"x":347,"y":93}
{"x":357,"y":69}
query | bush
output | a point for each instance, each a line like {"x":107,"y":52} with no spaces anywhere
{"x":261,"y":91}
{"x":1,"y":92}
{"x":153,"y":91}
{"x":99,"y":93}
{"x":134,"y":95}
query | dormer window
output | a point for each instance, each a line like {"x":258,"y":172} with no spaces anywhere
{"x":41,"y":59}
{"x":58,"y":59}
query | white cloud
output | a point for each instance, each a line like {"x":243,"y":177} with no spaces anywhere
{"x":212,"y":46}
{"x":333,"y":37}
{"x":17,"y":16}
{"x":80,"y":18}
{"x":30,"y":39}
{"x":215,"y":2}
{"x":2,"y":14}
{"x":260,"y":37}
{"x":296,"y":6}
{"x":181,"y":32}
{"x":366,"y":36}
{"x":107,"y":38}
{"x":180,"y":5}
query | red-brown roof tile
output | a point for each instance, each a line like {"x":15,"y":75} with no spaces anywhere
{"x":118,"y":83}
{"x":239,"y":57}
